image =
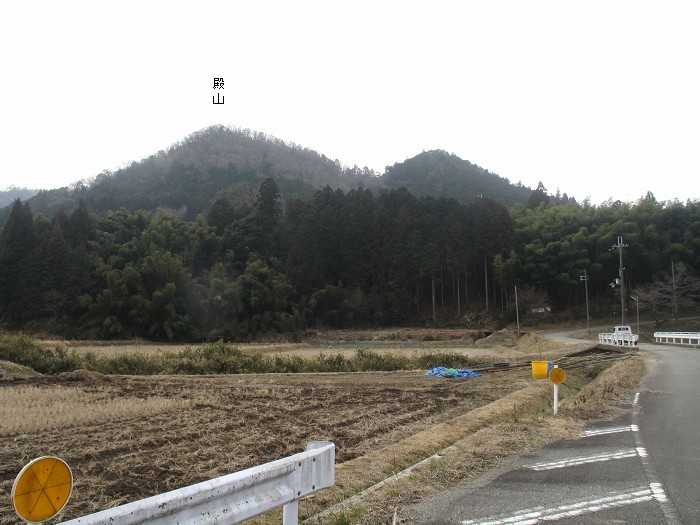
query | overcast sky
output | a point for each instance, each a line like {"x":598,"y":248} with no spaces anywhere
{"x":600,"y":99}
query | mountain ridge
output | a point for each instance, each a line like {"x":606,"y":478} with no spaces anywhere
{"x":11,"y":193}
{"x":220,"y":161}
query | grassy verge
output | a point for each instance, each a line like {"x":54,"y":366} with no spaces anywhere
{"x":215,"y":358}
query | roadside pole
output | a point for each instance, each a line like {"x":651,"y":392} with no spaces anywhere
{"x":556,"y":397}
{"x":556,"y":376}
{"x":584,"y":278}
{"x":636,"y":299}
{"x":517,"y":313}
{"x":619,"y":246}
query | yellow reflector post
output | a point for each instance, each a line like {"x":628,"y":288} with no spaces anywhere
{"x":557,"y":376}
{"x":42,"y":489}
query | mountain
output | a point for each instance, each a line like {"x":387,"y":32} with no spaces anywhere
{"x":220,"y":161}
{"x":9,"y":195}
{"x":187,"y":177}
{"x":443,"y":174}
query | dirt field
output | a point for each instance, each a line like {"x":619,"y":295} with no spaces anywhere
{"x":130,"y":437}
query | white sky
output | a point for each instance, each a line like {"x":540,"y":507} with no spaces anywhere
{"x":597,"y":98}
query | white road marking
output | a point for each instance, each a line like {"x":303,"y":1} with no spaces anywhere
{"x":597,"y":458}
{"x":636,"y":399}
{"x":654,"y":492}
{"x":610,"y":430}
{"x":657,"y":487}
{"x":570,"y":510}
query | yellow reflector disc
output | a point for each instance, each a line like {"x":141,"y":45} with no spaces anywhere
{"x":557,"y":375}
{"x":42,"y":489}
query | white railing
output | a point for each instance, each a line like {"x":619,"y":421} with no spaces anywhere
{"x":678,"y":338}
{"x":233,"y":498}
{"x":627,"y":340}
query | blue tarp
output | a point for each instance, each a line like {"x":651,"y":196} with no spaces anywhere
{"x":441,"y":371}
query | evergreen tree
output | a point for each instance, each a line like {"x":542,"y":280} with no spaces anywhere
{"x":16,"y":245}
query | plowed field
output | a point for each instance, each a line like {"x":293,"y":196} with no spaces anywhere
{"x":126,"y":438}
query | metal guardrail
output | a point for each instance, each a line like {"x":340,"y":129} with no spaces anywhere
{"x":233,"y":498}
{"x":626,"y":340}
{"x":678,"y":338}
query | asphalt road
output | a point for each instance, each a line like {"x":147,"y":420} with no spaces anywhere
{"x":669,"y":422}
{"x":566,"y":335}
{"x":642,"y":468}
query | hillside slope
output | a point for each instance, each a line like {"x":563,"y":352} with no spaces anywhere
{"x":441,"y":174}
{"x":218,"y":161}
{"x":9,"y":195}
{"x":187,"y":177}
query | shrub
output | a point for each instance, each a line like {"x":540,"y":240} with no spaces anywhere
{"x":129,"y":364}
{"x":22,"y":350}
{"x":330,"y":363}
{"x":215,"y":358}
{"x":449,"y":360}
{"x":366,"y":360}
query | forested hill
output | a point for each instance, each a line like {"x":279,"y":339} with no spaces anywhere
{"x":440,"y":174}
{"x":187,"y":177}
{"x":339,"y":259}
{"x":9,"y":195}
{"x":222,"y":162}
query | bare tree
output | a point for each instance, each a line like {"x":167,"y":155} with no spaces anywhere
{"x":530,"y":298}
{"x":664,"y":297}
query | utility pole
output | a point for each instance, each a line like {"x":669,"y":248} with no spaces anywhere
{"x":637,"y":301}
{"x":486,"y":283}
{"x":621,"y":279}
{"x":675,"y":302}
{"x":584,"y":278}
{"x":517,"y":313}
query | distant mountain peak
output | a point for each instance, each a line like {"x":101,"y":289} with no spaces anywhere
{"x":443,"y":174}
{"x":12,"y":193}
{"x":187,"y":177}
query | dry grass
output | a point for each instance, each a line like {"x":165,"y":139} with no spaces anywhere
{"x":29,"y":409}
{"x":113,"y":348}
{"x":15,"y":371}
{"x":599,"y":398}
{"x":462,"y":342}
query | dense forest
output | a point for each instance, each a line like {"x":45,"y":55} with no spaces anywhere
{"x":336,"y":259}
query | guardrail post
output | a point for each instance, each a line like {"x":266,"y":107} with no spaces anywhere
{"x":290,"y":513}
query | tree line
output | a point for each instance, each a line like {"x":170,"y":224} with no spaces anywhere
{"x":337,"y":259}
